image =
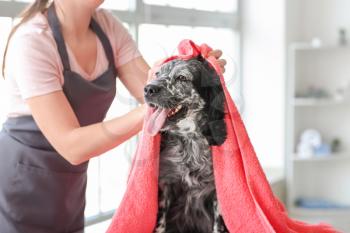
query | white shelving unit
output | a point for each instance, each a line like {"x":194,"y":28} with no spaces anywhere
{"x":300,"y":102}
{"x":332,"y":157}
{"x":318,"y":177}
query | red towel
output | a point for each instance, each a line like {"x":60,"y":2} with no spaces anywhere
{"x":244,"y":194}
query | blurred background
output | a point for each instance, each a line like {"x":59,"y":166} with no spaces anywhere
{"x":287,"y":71}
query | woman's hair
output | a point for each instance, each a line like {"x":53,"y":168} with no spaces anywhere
{"x":27,"y":14}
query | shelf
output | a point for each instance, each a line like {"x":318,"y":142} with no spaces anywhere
{"x":333,"y":157}
{"x":310,"y":47}
{"x":304,"y":102}
{"x":319,"y":212}
{"x":313,"y":102}
{"x":338,"y":218}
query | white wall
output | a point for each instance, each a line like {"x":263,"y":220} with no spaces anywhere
{"x":317,"y":18}
{"x":263,"y":28}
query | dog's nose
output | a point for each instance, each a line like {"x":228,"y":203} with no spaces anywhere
{"x":151,"y":89}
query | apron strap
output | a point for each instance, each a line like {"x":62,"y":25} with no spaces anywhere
{"x":56,"y":30}
{"x":105,"y":42}
{"x":61,"y":45}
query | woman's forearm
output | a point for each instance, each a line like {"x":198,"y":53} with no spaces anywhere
{"x":56,"y":119}
{"x":92,"y":140}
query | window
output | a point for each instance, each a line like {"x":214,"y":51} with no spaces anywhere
{"x":157,"y":26}
{"x":167,"y":38}
{"x":121,"y":4}
{"x":206,"y":5}
{"x":107,"y":174}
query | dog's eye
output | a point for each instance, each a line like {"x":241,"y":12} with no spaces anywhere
{"x":181,"y":78}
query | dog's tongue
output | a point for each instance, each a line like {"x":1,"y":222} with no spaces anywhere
{"x":156,"y":120}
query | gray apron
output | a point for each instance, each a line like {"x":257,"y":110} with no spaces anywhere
{"x":40,"y":192}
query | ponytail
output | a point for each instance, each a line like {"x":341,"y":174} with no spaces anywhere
{"x":27,"y":14}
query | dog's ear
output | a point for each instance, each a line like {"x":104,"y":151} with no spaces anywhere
{"x":212,"y":92}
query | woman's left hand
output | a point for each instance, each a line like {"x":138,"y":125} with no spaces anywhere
{"x":217,"y":54}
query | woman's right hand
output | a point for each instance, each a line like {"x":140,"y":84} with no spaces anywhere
{"x":143,"y":109}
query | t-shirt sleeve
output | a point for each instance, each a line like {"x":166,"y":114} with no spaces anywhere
{"x":125,"y":48}
{"x":32,"y":64}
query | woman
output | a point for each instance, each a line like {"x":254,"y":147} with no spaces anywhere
{"x":61,"y":63}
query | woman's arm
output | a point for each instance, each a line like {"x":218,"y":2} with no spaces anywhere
{"x":59,"y":124}
{"x":57,"y":121}
{"x":134,"y":76}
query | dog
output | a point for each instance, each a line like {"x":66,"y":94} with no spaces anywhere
{"x":189,"y":96}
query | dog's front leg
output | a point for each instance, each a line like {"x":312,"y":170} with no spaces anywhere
{"x":219,"y":225}
{"x":163,"y":206}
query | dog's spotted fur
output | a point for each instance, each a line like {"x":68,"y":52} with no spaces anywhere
{"x":187,"y":196}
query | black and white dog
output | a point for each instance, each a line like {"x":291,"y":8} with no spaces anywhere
{"x":189,"y":102}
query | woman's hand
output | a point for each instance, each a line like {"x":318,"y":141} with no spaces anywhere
{"x":217,"y":54}
{"x":143,"y":109}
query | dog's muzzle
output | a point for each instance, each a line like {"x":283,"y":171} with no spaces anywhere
{"x":151,"y":90}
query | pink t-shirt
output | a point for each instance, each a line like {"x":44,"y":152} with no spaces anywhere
{"x":34,"y":67}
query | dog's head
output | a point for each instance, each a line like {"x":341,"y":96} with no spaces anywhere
{"x":183,"y":88}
